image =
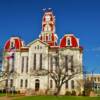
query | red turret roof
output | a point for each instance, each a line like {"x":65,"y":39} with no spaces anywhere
{"x":17,"y":43}
{"x":73,"y":41}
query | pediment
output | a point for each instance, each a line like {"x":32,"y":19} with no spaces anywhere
{"x":37,"y":42}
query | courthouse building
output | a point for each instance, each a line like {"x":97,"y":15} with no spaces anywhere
{"x":30,"y":61}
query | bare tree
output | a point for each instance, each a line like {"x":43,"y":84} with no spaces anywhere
{"x":63,"y":73}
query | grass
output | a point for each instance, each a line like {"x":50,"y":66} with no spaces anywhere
{"x":56,"y":98}
{"x":2,"y":94}
{"x":16,"y":97}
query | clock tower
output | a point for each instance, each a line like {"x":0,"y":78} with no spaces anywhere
{"x":48,"y":29}
{"x":48,"y":22}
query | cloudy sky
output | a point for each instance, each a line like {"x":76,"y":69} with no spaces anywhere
{"x":81,"y":17}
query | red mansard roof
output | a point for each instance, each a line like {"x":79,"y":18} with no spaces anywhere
{"x":18,"y":43}
{"x":73,"y":40}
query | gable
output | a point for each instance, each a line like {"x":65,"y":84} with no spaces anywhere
{"x":38,"y":46}
{"x":37,"y":42}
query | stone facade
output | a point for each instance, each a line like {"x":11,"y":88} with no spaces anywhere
{"x":31,"y":62}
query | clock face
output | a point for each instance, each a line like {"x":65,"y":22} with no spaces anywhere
{"x":47,"y":17}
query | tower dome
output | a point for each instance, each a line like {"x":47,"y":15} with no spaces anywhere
{"x":69,"y":40}
{"x":13,"y":42}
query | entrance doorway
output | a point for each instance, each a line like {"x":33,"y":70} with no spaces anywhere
{"x":37,"y":84}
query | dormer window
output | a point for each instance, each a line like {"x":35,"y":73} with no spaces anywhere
{"x":68,"y":42}
{"x":12,"y":44}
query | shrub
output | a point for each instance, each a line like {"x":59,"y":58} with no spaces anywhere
{"x":18,"y":92}
{"x":68,"y":93}
{"x":4,"y":90}
{"x":80,"y":94}
{"x":86,"y":92}
{"x":73,"y":93}
{"x":0,"y":91}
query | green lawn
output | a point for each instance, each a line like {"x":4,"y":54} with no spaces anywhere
{"x":57,"y":98}
{"x":16,"y":97}
{"x":2,"y":94}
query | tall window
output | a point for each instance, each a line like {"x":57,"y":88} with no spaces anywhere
{"x":13,"y":59}
{"x":56,"y":61}
{"x":72,"y":84}
{"x":51,"y":65}
{"x":68,"y":42}
{"x":40,"y":61}
{"x":26,"y":83}
{"x":51,"y":84}
{"x":71,"y":61}
{"x":66,"y":63}
{"x":26,"y":64}
{"x":12,"y":44}
{"x":66,"y":84}
{"x":22,"y":67}
{"x":8,"y":65}
{"x":98,"y":79}
{"x":49,"y":37}
{"x":44,"y":37}
{"x":94,"y":78}
{"x":11,"y":83}
{"x":34,"y":67}
{"x":37,"y":46}
{"x":6,"y":83}
{"x":21,"y":83}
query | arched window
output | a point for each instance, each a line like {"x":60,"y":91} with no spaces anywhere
{"x":72,"y":84}
{"x":37,"y":84}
